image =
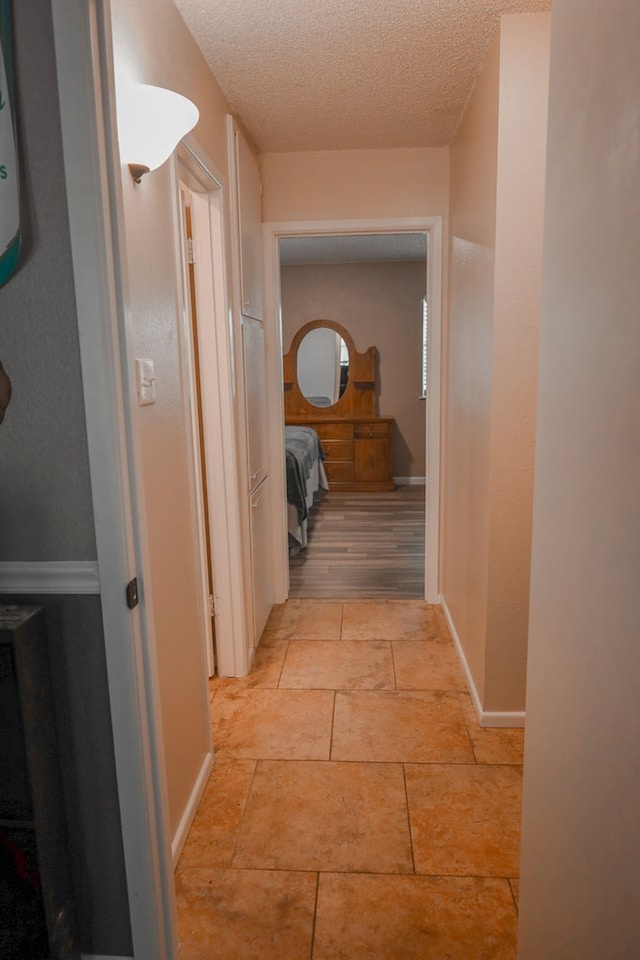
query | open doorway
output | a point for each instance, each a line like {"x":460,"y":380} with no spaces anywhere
{"x":365,"y":532}
{"x":431,"y":229}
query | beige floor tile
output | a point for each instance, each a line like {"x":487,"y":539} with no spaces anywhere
{"x":265,"y":671}
{"x":245,"y":914}
{"x":338,"y":665}
{"x":304,"y":620}
{"x":213,"y":833}
{"x":427,"y":666}
{"x":399,"y":727}
{"x":414,"y":918}
{"x":389,"y":620}
{"x":465,"y":819}
{"x":326,"y":816}
{"x":492,"y":744}
{"x":273,"y":724}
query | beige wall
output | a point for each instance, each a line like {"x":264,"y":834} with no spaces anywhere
{"x":465,"y":530}
{"x":497,"y":189}
{"x":153,"y":45}
{"x":355,"y":184}
{"x":524,"y":85}
{"x":581,"y":844}
{"x":162,"y":429}
{"x":380,"y":304}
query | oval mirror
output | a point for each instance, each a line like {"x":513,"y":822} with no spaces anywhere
{"x":322,"y":366}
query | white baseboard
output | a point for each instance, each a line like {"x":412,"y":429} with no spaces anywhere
{"x":410,"y":481}
{"x":186,"y":820}
{"x":486,"y":718}
{"x":60,"y":576}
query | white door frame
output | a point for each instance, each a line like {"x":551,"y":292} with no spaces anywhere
{"x":432,"y":227}
{"x":184,"y":197}
{"x":216,"y":380}
{"x":84,"y":65}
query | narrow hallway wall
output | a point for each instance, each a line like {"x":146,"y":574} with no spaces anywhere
{"x":168,"y":56}
{"x":581,"y":843}
{"x":497,"y":192}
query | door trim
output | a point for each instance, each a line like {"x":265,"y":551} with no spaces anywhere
{"x":273,"y":231}
{"x":190,"y":380}
{"x":86,"y":89}
{"x":217,"y":380}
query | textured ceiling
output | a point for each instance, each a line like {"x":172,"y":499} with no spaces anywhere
{"x":347,"y":74}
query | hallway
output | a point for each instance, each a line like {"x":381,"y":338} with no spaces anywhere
{"x":356,"y":809}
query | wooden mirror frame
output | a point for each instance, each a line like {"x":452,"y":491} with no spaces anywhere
{"x":359,"y":397}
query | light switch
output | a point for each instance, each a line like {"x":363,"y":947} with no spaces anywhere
{"x":146,"y":378}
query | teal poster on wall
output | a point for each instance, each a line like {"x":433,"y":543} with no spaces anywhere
{"x":9,"y":170}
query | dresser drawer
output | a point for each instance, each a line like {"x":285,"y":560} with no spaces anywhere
{"x":373,"y":428}
{"x":338,"y":449}
{"x":333,"y":431}
{"x":338,"y":471}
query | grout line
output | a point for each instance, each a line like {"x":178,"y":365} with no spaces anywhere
{"x":282,"y":665}
{"x":244,"y":813}
{"x":315,"y":916}
{"x":466,"y":726}
{"x":379,"y":763}
{"x":333,"y":871}
{"x":406,"y":796}
{"x":333,"y":720}
{"x":393,"y":666}
{"x":513,"y":896}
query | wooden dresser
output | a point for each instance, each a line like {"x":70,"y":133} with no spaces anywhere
{"x":358,"y":452}
{"x":358,"y":445}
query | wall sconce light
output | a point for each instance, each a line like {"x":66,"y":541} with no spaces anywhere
{"x":151,"y":123}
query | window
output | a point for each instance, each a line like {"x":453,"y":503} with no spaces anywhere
{"x":424,"y":347}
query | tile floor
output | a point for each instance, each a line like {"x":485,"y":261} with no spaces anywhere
{"x":356,"y":810}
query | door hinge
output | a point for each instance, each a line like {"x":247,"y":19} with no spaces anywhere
{"x":132,"y":593}
{"x":190,"y":257}
{"x":212,"y":605}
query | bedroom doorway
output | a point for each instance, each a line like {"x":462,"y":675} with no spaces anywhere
{"x":373,"y":279}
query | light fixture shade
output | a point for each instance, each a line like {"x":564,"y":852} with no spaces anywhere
{"x":151,"y":123}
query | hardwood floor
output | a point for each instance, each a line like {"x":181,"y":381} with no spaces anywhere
{"x":363,"y":545}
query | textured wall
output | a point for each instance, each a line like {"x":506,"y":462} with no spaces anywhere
{"x":581,"y":844}
{"x":45,"y":497}
{"x":465,"y":532}
{"x":497,"y":191}
{"x":157,"y":48}
{"x":351,"y":184}
{"x":167,"y":55}
{"x":524,"y":83}
{"x":380,"y":304}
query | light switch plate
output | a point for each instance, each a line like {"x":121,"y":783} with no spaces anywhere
{"x":146,"y":381}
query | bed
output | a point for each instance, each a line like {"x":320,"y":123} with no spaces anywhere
{"x":305,"y":476}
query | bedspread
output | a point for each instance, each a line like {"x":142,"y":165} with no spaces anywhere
{"x":303,"y":450}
